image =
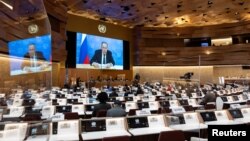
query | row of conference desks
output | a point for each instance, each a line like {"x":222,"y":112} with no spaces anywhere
{"x":134,"y":126}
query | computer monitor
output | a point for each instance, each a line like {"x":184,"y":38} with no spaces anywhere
{"x":72,"y":101}
{"x":224,"y":99}
{"x":137,"y":122}
{"x":183,"y":102}
{"x":60,"y":96}
{"x":38,"y":129}
{"x":90,"y":107}
{"x":165,"y":104}
{"x":28,"y":102}
{"x":143,"y":105}
{"x":93,"y":125}
{"x":128,"y":98}
{"x":236,"y":113}
{"x":208,"y":116}
{"x":235,"y":98}
{"x":63,"y":109}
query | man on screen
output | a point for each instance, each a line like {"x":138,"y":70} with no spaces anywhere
{"x":34,"y":60}
{"x":103,"y":57}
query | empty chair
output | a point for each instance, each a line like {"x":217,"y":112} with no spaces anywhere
{"x":119,"y":138}
{"x":71,"y":116}
{"x":101,"y":113}
{"x":197,"y":139}
{"x":176,"y":135}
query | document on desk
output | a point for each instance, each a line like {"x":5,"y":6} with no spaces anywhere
{"x":115,"y":124}
{"x":68,"y":127}
{"x":191,"y":118}
{"x":156,"y":121}
{"x":246,"y":112}
{"x":221,"y":115}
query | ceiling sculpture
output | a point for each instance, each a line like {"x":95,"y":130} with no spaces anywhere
{"x":162,"y":13}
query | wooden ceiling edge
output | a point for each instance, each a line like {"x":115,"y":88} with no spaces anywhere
{"x":195,"y":27}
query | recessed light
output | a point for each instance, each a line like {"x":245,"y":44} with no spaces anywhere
{"x":163,"y":53}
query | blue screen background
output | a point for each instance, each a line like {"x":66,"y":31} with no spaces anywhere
{"x":94,"y":43}
{"x":18,"y":48}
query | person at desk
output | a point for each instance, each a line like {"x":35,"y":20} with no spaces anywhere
{"x":117,"y":110}
{"x":137,"y":78}
{"x":36,"y":60}
{"x":113,"y":94}
{"x":102,"y":98}
{"x":103,"y":57}
{"x":209,"y":97}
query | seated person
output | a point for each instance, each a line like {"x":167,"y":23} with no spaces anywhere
{"x":113,"y":94}
{"x":127,"y":92}
{"x":102,"y":98}
{"x":139,"y":91}
{"x":117,"y":110}
{"x":209,"y":97}
{"x":102,"y":57}
{"x":35,"y":60}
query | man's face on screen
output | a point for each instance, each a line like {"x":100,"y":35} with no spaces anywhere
{"x":32,"y":50}
{"x":104,"y":48}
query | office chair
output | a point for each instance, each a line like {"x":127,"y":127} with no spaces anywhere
{"x":176,"y":135}
{"x":101,"y":113}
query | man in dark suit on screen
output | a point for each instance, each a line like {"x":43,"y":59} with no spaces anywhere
{"x":33,"y":59}
{"x":103,"y":57}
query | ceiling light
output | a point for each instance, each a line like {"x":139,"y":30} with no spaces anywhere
{"x":163,"y":53}
{"x":7,"y":5}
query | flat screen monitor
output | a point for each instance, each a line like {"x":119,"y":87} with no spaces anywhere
{"x":63,"y":109}
{"x":93,"y":125}
{"x":38,"y":129}
{"x":138,"y":122}
{"x":236,"y":113}
{"x":165,"y":104}
{"x":224,"y":99}
{"x":97,"y":52}
{"x":143,"y":105}
{"x":208,"y":116}
{"x":236,"y":98}
{"x":183,"y":102}
{"x":72,"y":101}
{"x":30,"y":55}
{"x":60,"y":95}
{"x":90,"y":107}
{"x":28,"y":102}
{"x":128,"y":98}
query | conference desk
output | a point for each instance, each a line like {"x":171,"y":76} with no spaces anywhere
{"x":189,"y":127}
{"x":224,"y":122}
{"x":148,"y":131}
{"x":101,"y":134}
{"x":34,"y":70}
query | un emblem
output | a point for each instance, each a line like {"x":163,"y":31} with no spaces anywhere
{"x":102,"y":28}
{"x":33,"y":28}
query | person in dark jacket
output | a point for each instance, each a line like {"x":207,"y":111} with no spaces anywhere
{"x":113,"y":94}
{"x":102,"y":98}
{"x":102,"y":56}
{"x":209,"y":97}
